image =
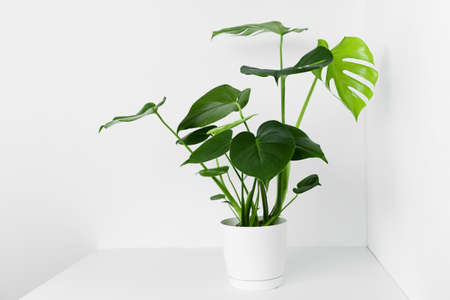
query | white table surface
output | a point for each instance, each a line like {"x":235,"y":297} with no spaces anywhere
{"x":311,"y":274}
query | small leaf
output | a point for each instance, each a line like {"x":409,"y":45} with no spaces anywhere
{"x":214,"y":105}
{"x":304,"y":146}
{"x":197,"y":136}
{"x":214,"y":171}
{"x":306,"y":184}
{"x":350,"y":89}
{"x":315,"y":59}
{"x":211,"y":148}
{"x":217,"y":197}
{"x":265,"y":155}
{"x":147,"y":109}
{"x":255,"y":29}
{"x":231,"y":125}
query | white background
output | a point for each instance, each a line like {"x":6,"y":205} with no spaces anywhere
{"x":408,"y":146}
{"x":66,"y":67}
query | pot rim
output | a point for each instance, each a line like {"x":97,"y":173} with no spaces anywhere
{"x":228,"y":223}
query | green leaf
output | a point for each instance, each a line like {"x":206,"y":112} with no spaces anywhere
{"x":212,"y":148}
{"x":315,"y":59}
{"x":147,"y":109}
{"x":217,"y":197}
{"x":231,"y":125}
{"x":255,"y":29}
{"x":197,"y":136}
{"x":338,"y":70}
{"x":304,"y":146}
{"x":306,"y":184}
{"x":214,"y":105}
{"x":214,"y":172}
{"x":265,"y":155}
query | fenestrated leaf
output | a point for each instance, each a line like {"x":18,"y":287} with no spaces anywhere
{"x":214,"y":171}
{"x":254,"y":29}
{"x":304,"y":146}
{"x":147,"y":109}
{"x":197,"y":136}
{"x":214,"y":105}
{"x":315,"y":59}
{"x":217,"y":197}
{"x":231,"y":125}
{"x":350,"y":89}
{"x":265,"y":155}
{"x":306,"y":184}
{"x":212,"y":148}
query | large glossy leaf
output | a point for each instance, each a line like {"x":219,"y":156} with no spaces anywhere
{"x":350,"y":88}
{"x":197,"y":136}
{"x":212,"y":148}
{"x":214,"y":105}
{"x":147,"y":109}
{"x":315,"y":59}
{"x":304,"y":146}
{"x":306,"y":184}
{"x":231,"y":125}
{"x":254,"y":29}
{"x":265,"y":155}
{"x":214,"y":171}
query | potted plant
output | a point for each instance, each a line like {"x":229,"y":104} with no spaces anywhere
{"x":243,"y":165}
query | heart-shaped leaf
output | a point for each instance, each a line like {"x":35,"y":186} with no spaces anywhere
{"x":197,"y":136}
{"x":306,"y":184}
{"x":304,"y":146}
{"x":351,"y":89}
{"x":254,"y":29}
{"x":214,"y":171}
{"x":231,"y":125}
{"x":147,"y":109}
{"x":214,"y":105}
{"x":265,"y":155}
{"x":217,"y":197}
{"x":315,"y":59}
{"x":212,"y":148}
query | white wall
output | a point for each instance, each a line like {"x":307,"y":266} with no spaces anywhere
{"x":408,"y":146}
{"x":67,"y":66}
{"x":165,"y":50}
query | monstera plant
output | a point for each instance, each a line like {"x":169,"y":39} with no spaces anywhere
{"x":244,"y":163}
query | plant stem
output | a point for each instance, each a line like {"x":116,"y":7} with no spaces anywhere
{"x":311,"y":89}
{"x":234,"y":188}
{"x":264,"y":202}
{"x":283,"y":84}
{"x":283,"y":177}
{"x":273,"y":218}
{"x":242,"y":116}
{"x":222,"y":187}
{"x":237,"y":173}
{"x":218,"y":165}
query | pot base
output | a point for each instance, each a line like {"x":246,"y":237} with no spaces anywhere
{"x":255,"y":285}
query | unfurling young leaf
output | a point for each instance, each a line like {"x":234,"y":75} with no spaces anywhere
{"x":255,"y":29}
{"x":147,"y":109}
{"x":214,"y":172}
{"x":306,"y":184}
{"x":214,"y":105}
{"x":217,"y":197}
{"x":212,"y":148}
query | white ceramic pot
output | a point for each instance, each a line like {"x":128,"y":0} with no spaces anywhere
{"x":255,"y":256}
